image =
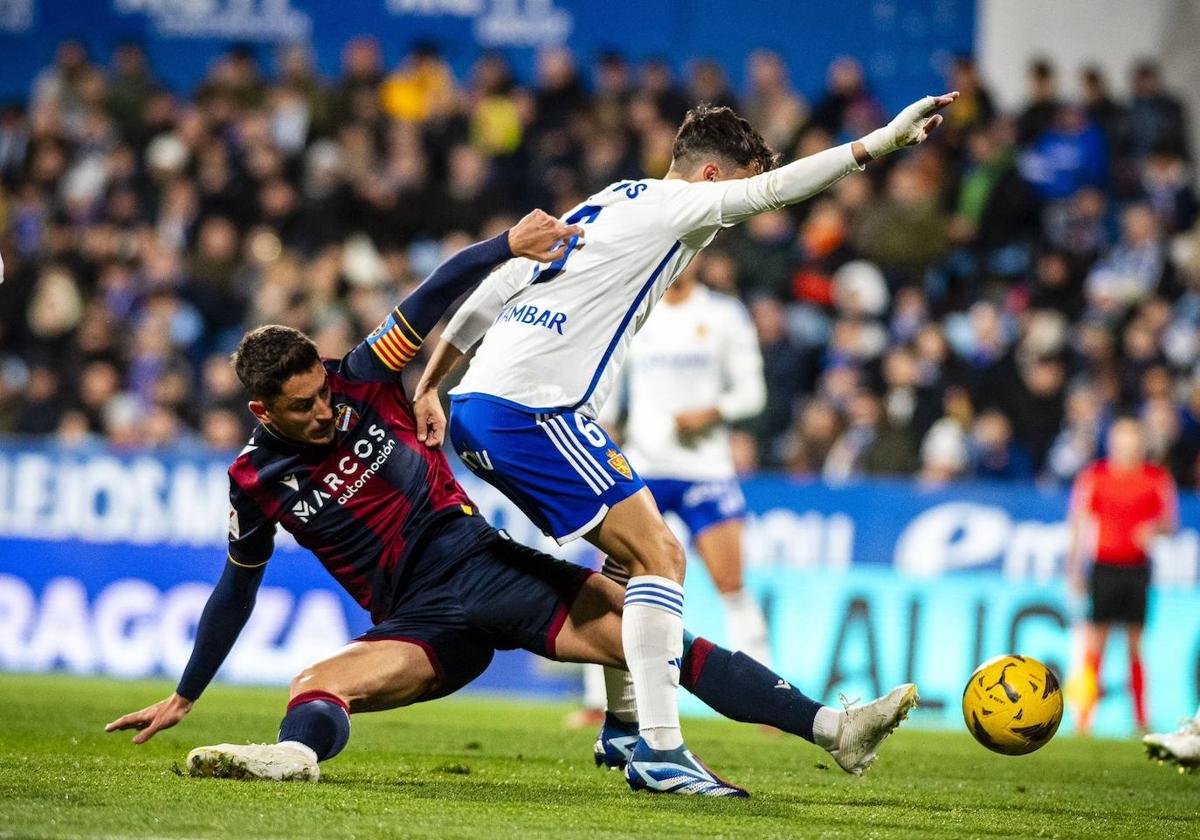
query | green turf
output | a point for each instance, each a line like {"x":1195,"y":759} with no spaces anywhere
{"x":493,"y":769}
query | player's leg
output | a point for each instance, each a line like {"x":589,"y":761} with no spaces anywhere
{"x":635,"y":536}
{"x":720,"y":547}
{"x":362,"y":677}
{"x":731,"y":683}
{"x":1136,"y":598}
{"x":570,"y":478}
{"x":742,"y":689}
{"x":607,"y":691}
{"x":1096,"y":642}
{"x":1137,"y":675}
{"x":620,"y":697}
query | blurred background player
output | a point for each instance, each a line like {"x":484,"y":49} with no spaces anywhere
{"x":694,"y":368}
{"x":1118,"y":506}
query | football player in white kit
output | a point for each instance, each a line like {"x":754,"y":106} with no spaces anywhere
{"x":554,"y":337}
{"x":694,"y":368}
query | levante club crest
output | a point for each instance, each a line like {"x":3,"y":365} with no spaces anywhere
{"x":346,"y":417}
{"x":617,"y":461}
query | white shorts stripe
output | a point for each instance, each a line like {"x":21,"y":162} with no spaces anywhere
{"x":587,"y":456}
{"x":571,"y":458}
{"x":582,"y":456}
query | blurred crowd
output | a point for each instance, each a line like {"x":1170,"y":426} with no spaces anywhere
{"x":980,"y":307}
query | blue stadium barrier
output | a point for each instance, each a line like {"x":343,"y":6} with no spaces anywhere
{"x":106,"y":560}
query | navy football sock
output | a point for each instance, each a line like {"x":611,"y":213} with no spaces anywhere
{"x":740,"y":688}
{"x":319,"y":720}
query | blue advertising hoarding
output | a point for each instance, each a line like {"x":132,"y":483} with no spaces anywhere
{"x":106,"y":561}
{"x":903,"y":45}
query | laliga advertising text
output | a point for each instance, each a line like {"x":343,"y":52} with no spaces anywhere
{"x":132,"y":628}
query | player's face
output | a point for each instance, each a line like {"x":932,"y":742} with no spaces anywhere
{"x":303,"y":410}
{"x":1125,"y":443}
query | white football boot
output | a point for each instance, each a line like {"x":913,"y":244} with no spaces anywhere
{"x":1181,"y":746}
{"x":286,"y":762}
{"x":863,"y":728}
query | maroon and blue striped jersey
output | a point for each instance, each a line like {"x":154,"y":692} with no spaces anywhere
{"x":362,"y":503}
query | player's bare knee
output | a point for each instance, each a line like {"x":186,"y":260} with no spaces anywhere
{"x":725,"y":580}
{"x":312,"y":678}
{"x":670,"y":556}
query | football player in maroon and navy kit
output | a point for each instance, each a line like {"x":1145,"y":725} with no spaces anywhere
{"x":336,"y":461}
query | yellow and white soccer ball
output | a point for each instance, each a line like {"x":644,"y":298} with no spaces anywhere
{"x":1012,"y":704}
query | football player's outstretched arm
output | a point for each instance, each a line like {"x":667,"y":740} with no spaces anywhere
{"x":224,"y":616}
{"x":539,"y":237}
{"x":739,"y":199}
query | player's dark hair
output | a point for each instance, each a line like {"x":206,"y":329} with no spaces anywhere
{"x":269,"y":356}
{"x":711,"y":130}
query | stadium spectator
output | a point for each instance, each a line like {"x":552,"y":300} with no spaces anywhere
{"x":994,"y":454}
{"x":1132,"y":269}
{"x":848,"y":107}
{"x":773,"y":107}
{"x":143,"y":230}
{"x":1043,"y":102}
{"x":1156,"y":118}
{"x":869,"y":445}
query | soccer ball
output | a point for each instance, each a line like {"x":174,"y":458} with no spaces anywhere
{"x":1012,"y":704}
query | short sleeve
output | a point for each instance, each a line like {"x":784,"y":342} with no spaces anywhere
{"x":251,"y":532}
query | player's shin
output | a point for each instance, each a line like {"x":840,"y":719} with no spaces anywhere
{"x":317,"y":720}
{"x":744,"y":690}
{"x":620,"y":700}
{"x":652,"y":635}
{"x":1137,"y":687}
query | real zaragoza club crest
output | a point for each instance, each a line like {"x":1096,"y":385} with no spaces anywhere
{"x":617,"y":461}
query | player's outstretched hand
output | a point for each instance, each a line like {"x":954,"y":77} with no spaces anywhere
{"x":910,"y":127}
{"x":162,"y":715}
{"x":431,"y":419}
{"x":542,"y":238}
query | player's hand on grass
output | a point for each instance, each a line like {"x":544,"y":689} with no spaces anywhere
{"x":910,"y":127}
{"x":162,"y":715}
{"x":431,"y":419}
{"x":541,"y":237}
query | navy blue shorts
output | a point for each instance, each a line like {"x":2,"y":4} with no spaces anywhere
{"x":700,"y":504}
{"x":472,"y":591}
{"x":561,"y":469}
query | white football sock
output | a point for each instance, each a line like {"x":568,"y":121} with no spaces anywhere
{"x":746,"y":626}
{"x":301,"y":747}
{"x":652,"y":634}
{"x":594,"y":690}
{"x":827,"y":726}
{"x":622,"y":700}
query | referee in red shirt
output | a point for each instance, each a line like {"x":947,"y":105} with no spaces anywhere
{"x":1118,"y":506}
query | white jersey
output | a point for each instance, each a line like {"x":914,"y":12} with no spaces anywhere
{"x":697,"y":354}
{"x":558,"y":334}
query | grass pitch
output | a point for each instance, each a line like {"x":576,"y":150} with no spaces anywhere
{"x":492,"y":769}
